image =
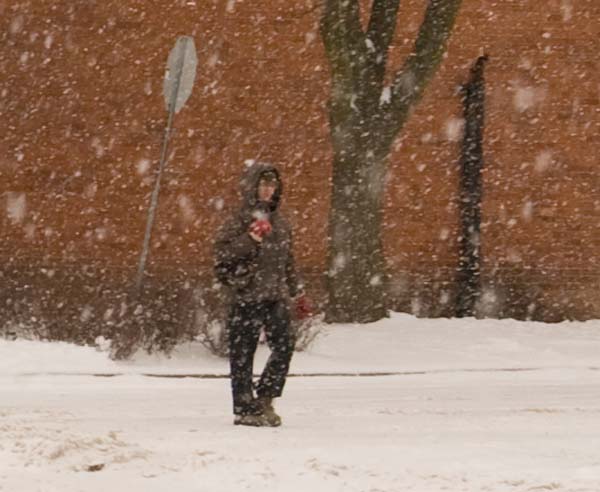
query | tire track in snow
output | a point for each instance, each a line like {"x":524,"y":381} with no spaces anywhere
{"x":358,"y":374}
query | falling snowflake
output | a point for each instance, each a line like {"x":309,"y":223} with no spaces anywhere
{"x":567,"y":10}
{"x":453,"y":129}
{"x":17,"y":24}
{"x":527,"y":97}
{"x":48,"y":41}
{"x":186,"y":209}
{"x":16,"y":207}
{"x":230,"y":6}
{"x":375,"y":280}
{"x":543,"y":161}
{"x":527,"y":212}
{"x":386,"y":96}
{"x":142,"y":166}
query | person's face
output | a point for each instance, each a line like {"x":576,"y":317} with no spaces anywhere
{"x":266,"y":189}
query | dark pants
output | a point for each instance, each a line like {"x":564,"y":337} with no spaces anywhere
{"x":245,"y":323}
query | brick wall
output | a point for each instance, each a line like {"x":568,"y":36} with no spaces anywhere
{"x":82,"y":117}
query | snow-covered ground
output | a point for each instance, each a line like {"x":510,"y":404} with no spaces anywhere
{"x":472,"y":405}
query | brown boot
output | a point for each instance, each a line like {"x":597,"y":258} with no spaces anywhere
{"x":251,"y":420}
{"x":268,"y":411}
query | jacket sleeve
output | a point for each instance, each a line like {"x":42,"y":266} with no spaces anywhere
{"x":293,"y":281}
{"x":234,"y":244}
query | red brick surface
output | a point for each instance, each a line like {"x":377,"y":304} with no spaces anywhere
{"x":81,"y":107}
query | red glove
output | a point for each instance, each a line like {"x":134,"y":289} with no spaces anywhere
{"x":260,"y":228}
{"x":303,"y":308}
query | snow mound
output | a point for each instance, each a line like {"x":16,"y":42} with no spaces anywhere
{"x":25,"y":356}
{"x":27,"y":442}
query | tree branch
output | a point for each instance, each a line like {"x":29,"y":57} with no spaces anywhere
{"x":380,"y":32}
{"x":343,"y":39}
{"x":430,"y":45}
{"x":382,"y":26}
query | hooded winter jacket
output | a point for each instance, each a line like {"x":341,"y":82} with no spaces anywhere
{"x":256,"y":271}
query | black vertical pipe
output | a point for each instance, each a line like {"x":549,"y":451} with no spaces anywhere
{"x":471,"y":191}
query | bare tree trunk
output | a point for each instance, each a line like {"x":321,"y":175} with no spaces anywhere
{"x":469,"y":274}
{"x":365,"y":117}
{"x":356,"y":277}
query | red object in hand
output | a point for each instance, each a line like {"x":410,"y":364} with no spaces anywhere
{"x":261,"y":228}
{"x":303,"y":308}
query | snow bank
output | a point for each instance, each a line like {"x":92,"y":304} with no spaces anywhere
{"x":401,"y":343}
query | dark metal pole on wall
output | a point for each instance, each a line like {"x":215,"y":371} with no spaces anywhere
{"x":471,"y":191}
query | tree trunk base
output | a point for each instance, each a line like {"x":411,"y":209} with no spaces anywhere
{"x":349,"y":311}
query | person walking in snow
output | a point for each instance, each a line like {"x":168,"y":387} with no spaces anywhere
{"x":253,"y":258}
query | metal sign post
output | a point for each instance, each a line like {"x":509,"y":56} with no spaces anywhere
{"x":178,"y":84}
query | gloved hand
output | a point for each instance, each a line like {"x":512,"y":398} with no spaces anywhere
{"x":259,"y":229}
{"x":303,"y":307}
